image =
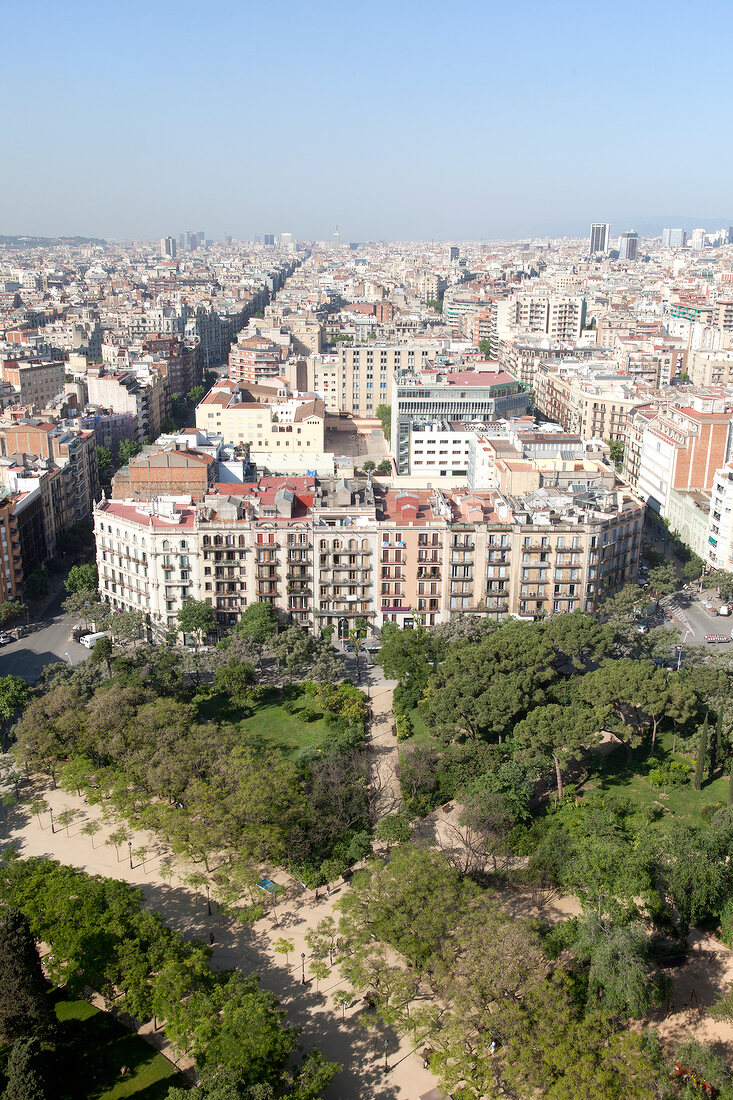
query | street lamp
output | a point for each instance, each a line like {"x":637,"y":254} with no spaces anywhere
{"x":129,"y":852}
{"x":51,"y":814}
{"x":386,"y":1064}
{"x":302,"y":965}
{"x":208,"y":899}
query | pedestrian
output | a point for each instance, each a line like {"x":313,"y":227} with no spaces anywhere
{"x":211,"y":938}
{"x":328,"y":891}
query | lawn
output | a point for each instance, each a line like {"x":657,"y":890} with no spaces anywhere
{"x":92,"y":1049}
{"x":616,"y":774}
{"x":269,"y":724}
{"x":423,"y":735}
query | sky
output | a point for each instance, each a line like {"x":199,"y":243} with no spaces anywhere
{"x":400,"y":121}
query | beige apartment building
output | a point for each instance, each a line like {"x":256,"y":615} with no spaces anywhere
{"x":710,"y":368}
{"x":359,"y":379}
{"x":295,"y":425}
{"x":596,"y":409}
{"x":327,"y":551}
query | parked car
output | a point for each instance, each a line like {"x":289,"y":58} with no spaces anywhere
{"x":348,"y":647}
{"x":5,"y":639}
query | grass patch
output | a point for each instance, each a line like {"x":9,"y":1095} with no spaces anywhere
{"x":91,"y":1050}
{"x":268,"y":724}
{"x":617,"y":774}
{"x":423,"y":735}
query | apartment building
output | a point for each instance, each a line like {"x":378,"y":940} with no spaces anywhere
{"x":419,"y":400}
{"x":719,"y":542}
{"x":296,"y":424}
{"x":11,"y":561}
{"x":73,"y":455}
{"x":37,"y":383}
{"x":255,"y":358}
{"x":582,"y":400}
{"x":678,"y":448}
{"x":328,"y":551}
{"x":557,"y":316}
{"x":146,"y":396}
{"x":710,"y":368}
{"x":165,"y":471}
{"x":359,"y":379}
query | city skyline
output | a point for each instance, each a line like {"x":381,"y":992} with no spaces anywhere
{"x":403,"y":126}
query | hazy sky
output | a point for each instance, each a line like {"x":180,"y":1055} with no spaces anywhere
{"x":444,"y":120}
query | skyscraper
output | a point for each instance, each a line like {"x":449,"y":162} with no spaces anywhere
{"x":599,"y":237}
{"x":269,"y":238}
{"x":674,"y":238}
{"x":627,"y":246}
{"x":168,"y":247}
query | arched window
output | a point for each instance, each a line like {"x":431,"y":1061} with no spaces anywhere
{"x":207,"y":540}
{"x":184,"y":544}
{"x":166,"y":544}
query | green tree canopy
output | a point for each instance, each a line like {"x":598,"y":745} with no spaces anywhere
{"x":196,"y":617}
{"x":24,"y":1003}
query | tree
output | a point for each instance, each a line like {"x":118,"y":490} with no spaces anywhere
{"x":716,"y":743}
{"x":27,"y":1072}
{"x":82,"y":577}
{"x":24,"y":1004}
{"x":384,"y":469}
{"x":196,"y":617}
{"x":617,"y":451}
{"x":259,"y":623}
{"x":619,"y":957}
{"x":694,"y":568}
{"x":91,"y":829}
{"x":663,"y":580}
{"x":12,"y":609}
{"x":117,"y":839}
{"x":484,"y":346}
{"x":384,"y":413}
{"x":368,"y":466}
{"x":284,"y":946}
{"x":394,"y":829}
{"x":235,"y":678}
{"x":38,"y":584}
{"x":104,"y":461}
{"x":126,"y":626}
{"x":127,"y":449}
{"x":14,"y":694}
{"x":702,"y":751}
{"x":558,"y":733}
{"x":195,"y":395}
{"x":723,"y":581}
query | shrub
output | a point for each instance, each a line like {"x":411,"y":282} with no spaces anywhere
{"x":403,"y":726}
{"x":726,"y":923}
{"x":675,"y":773}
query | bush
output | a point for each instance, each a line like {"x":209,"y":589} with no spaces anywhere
{"x":726,"y":923}
{"x":307,"y":715}
{"x":289,"y":706}
{"x":403,"y":726}
{"x":675,"y":773}
{"x":292,"y":691}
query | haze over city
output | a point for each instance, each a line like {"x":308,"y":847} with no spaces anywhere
{"x":403,"y":121}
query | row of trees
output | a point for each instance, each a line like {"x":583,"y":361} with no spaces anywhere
{"x":501,"y":1005}
{"x":130,"y":731}
{"x":101,"y":937}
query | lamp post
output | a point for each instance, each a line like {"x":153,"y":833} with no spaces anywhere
{"x":679,"y":656}
{"x":208,"y":899}
{"x":52,"y":826}
{"x":302,"y":967}
{"x":129,"y":852}
{"x":386,"y":1064}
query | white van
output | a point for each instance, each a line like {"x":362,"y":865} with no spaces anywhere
{"x":90,"y":640}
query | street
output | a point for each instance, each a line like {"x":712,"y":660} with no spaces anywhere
{"x":47,"y":641}
{"x":687,"y":612}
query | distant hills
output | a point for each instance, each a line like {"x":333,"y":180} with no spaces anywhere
{"x":46,"y":242}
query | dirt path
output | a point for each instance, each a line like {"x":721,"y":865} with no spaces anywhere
{"x":384,"y":784}
{"x":309,"y":1004}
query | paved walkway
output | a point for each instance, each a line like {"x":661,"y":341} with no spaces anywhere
{"x":310,"y":1005}
{"x":384,"y":784}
